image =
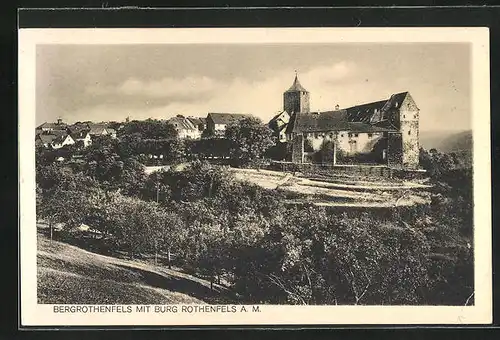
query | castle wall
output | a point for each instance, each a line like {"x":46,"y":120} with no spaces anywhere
{"x":298,"y":148}
{"x":394,"y":150}
{"x":350,"y":142}
{"x":409,"y":127}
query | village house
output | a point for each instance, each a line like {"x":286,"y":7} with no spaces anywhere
{"x":54,"y":139}
{"x":83,"y":137}
{"x":278,"y":124}
{"x":185,"y":127}
{"x":47,"y":126}
{"x":100,"y":130}
{"x":218,"y":122}
{"x":199,"y":122}
{"x":44,"y":139}
{"x":382,"y":132}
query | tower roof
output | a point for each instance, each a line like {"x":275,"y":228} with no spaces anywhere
{"x":296,"y":87}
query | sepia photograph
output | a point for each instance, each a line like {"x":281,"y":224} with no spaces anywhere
{"x":220,"y":174}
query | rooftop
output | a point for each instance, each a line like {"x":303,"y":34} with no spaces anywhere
{"x":296,"y":86}
{"x":226,"y":118}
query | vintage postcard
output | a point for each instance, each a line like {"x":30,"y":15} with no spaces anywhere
{"x":254,"y":176}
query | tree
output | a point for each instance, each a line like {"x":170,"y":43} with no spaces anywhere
{"x":249,"y":139}
{"x":149,"y":129}
{"x":325,"y":153}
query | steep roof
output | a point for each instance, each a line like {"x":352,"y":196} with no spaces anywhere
{"x":226,"y":118}
{"x":296,"y":86}
{"x":197,"y":120}
{"x":96,"y":129}
{"x":273,"y":123}
{"x":49,"y":125}
{"x":79,"y":134}
{"x":78,"y":127}
{"x":329,"y":121}
{"x":182,"y":123}
{"x":60,"y":138}
{"x":46,"y":139}
{"x":368,"y":117}
{"x":376,"y":111}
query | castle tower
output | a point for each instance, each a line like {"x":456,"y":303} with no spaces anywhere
{"x":408,"y":122}
{"x":296,"y":98}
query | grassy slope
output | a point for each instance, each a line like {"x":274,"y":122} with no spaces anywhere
{"x":70,"y":275}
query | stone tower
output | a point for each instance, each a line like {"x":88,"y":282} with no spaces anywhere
{"x":296,"y":98}
{"x":409,"y":116}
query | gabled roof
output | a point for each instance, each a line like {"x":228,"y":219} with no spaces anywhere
{"x":197,"y":120}
{"x":77,"y":128}
{"x":376,"y":111}
{"x":369,"y":117}
{"x":82,"y":134}
{"x":296,"y":86}
{"x":329,"y":121}
{"x":278,"y":116}
{"x":60,"y":138}
{"x":52,"y":125}
{"x":46,"y":139}
{"x":273,"y":123}
{"x":226,"y":118}
{"x":96,"y":129}
{"x":182,"y":123}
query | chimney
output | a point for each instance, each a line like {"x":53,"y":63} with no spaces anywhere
{"x":337,"y":107}
{"x":59,"y":121}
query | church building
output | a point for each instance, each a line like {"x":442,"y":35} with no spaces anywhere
{"x":384,"y":132}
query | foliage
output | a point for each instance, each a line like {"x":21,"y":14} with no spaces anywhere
{"x":249,"y":139}
{"x":148,"y":129}
{"x":280,"y":152}
{"x":266,"y":251}
{"x":325,"y":153}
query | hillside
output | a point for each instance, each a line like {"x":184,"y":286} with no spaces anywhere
{"x":447,"y":141}
{"x":71,"y":275}
{"x":342,"y":191}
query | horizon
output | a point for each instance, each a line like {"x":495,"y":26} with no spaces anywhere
{"x":111,"y":83}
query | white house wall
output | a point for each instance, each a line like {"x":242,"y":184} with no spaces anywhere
{"x":364,"y":141}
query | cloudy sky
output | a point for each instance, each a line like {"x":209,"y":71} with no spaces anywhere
{"x":111,"y":82}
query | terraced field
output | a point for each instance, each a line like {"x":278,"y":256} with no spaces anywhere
{"x":339,"y":190}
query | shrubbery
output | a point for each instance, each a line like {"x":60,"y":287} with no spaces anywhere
{"x":268,"y":252}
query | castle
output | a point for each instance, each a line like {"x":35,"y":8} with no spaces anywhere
{"x":383,"y":132}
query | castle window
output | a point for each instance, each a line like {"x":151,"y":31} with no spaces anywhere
{"x":355,"y":135}
{"x":349,"y":134}
{"x":370,"y":135}
{"x":341,"y":135}
{"x":404,"y":116}
{"x":409,"y":132}
{"x":414,"y":116}
{"x":353,"y":147}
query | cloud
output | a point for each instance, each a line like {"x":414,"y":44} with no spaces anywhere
{"x":197,"y":95}
{"x":166,"y":87}
{"x":332,"y":73}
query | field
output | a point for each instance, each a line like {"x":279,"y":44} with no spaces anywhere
{"x":340,"y":190}
{"x":71,"y":275}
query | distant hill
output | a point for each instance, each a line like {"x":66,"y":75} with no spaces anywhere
{"x":447,"y":141}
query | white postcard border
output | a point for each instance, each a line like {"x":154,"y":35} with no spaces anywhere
{"x":33,"y":314}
